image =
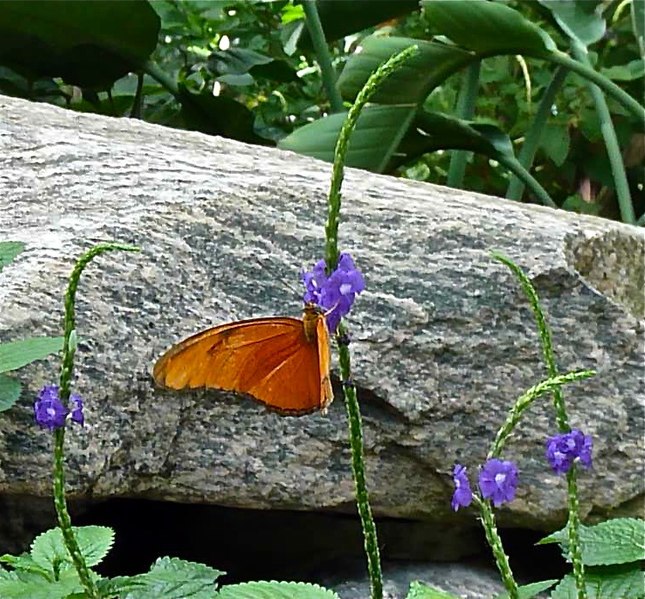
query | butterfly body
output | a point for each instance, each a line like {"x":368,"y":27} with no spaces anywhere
{"x":282,"y":362}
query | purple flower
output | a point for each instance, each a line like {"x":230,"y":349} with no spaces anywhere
{"x":77,"y":409}
{"x":49,"y":411}
{"x":335,"y":293}
{"x":463,"y":496}
{"x":563,"y":450}
{"x":498,"y":481}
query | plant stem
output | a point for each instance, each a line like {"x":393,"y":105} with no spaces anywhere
{"x":331,"y":259}
{"x":312,"y":19}
{"x":67,"y":368}
{"x":611,"y":141}
{"x":533,"y":135}
{"x":513,"y":165}
{"x":608,"y":86}
{"x":465,"y":110}
{"x":340,"y":151}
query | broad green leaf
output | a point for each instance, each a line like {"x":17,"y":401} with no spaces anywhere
{"x":48,"y":549}
{"x":25,"y":564}
{"x":634,"y":69}
{"x":173,"y":578}
{"x":217,"y":115}
{"x":378,"y":132}
{"x":341,"y":18}
{"x":275,"y":590}
{"x":605,"y":583}
{"x":555,"y":142}
{"x":413,"y":81}
{"x":528,"y":591}
{"x":421,"y":590}
{"x":9,"y":392}
{"x":37,"y":587}
{"x":89,"y":44}
{"x":580,"y":19}
{"x":8,"y":251}
{"x":16,"y":354}
{"x":432,"y":131}
{"x":617,"y":541}
{"x":235,"y":61}
{"x":575,"y":203}
{"x":487,"y":27}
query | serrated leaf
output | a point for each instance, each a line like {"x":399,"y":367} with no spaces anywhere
{"x":605,"y":583}
{"x":48,"y":550}
{"x":488,"y":27}
{"x":24,"y":563}
{"x":555,"y":142}
{"x":378,"y":132}
{"x":9,"y":392}
{"x":579,"y":19}
{"x":37,"y":587}
{"x":16,"y":354}
{"x":173,"y":578}
{"x":275,"y":590}
{"x":421,"y":590}
{"x":528,"y":591}
{"x":9,"y":250}
{"x":413,"y":81}
{"x":617,"y":541}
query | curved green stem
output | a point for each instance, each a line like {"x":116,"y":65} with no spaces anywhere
{"x":67,"y":368}
{"x":312,"y":19}
{"x":513,"y":165}
{"x":533,"y":135}
{"x":465,"y":110}
{"x":611,"y":141}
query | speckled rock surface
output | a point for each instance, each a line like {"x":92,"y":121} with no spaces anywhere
{"x":443,"y":339}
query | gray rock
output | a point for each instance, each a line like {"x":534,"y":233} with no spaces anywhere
{"x":443,"y":339}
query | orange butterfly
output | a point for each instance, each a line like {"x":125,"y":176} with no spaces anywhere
{"x":282,"y":362}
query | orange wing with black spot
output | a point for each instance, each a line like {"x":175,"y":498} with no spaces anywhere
{"x":282,"y":362}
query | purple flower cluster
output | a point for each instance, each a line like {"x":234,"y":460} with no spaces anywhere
{"x":49,"y":411}
{"x":565,"y":449}
{"x":497,"y":482}
{"x":335,"y":293}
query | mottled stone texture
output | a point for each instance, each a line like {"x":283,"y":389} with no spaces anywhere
{"x":443,"y":340}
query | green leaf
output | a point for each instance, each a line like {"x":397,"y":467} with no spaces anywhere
{"x":8,"y":251}
{"x":9,"y":392}
{"x":617,"y":541}
{"x":341,"y":18}
{"x":49,"y":551}
{"x":36,"y":587}
{"x":275,"y":590}
{"x":87,"y":44}
{"x":579,"y":19}
{"x":575,"y":203}
{"x":631,"y":71}
{"x":413,"y":81}
{"x":528,"y":591}
{"x":235,"y":61}
{"x":605,"y":583}
{"x":421,"y":590}
{"x":25,"y":564}
{"x":487,"y":27}
{"x":378,"y":132}
{"x":16,"y":354}
{"x":217,"y":115}
{"x":173,"y":578}
{"x":555,"y":142}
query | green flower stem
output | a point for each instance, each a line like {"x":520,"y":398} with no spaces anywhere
{"x":465,"y":110}
{"x":492,"y":536}
{"x":312,"y":19}
{"x":372,"y":84}
{"x":358,"y":471}
{"x":611,"y":141}
{"x":533,"y":135}
{"x":561,"y":419}
{"x":608,"y":86}
{"x":331,"y":259}
{"x":67,"y":368}
{"x":513,"y":165}
{"x":550,"y":385}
